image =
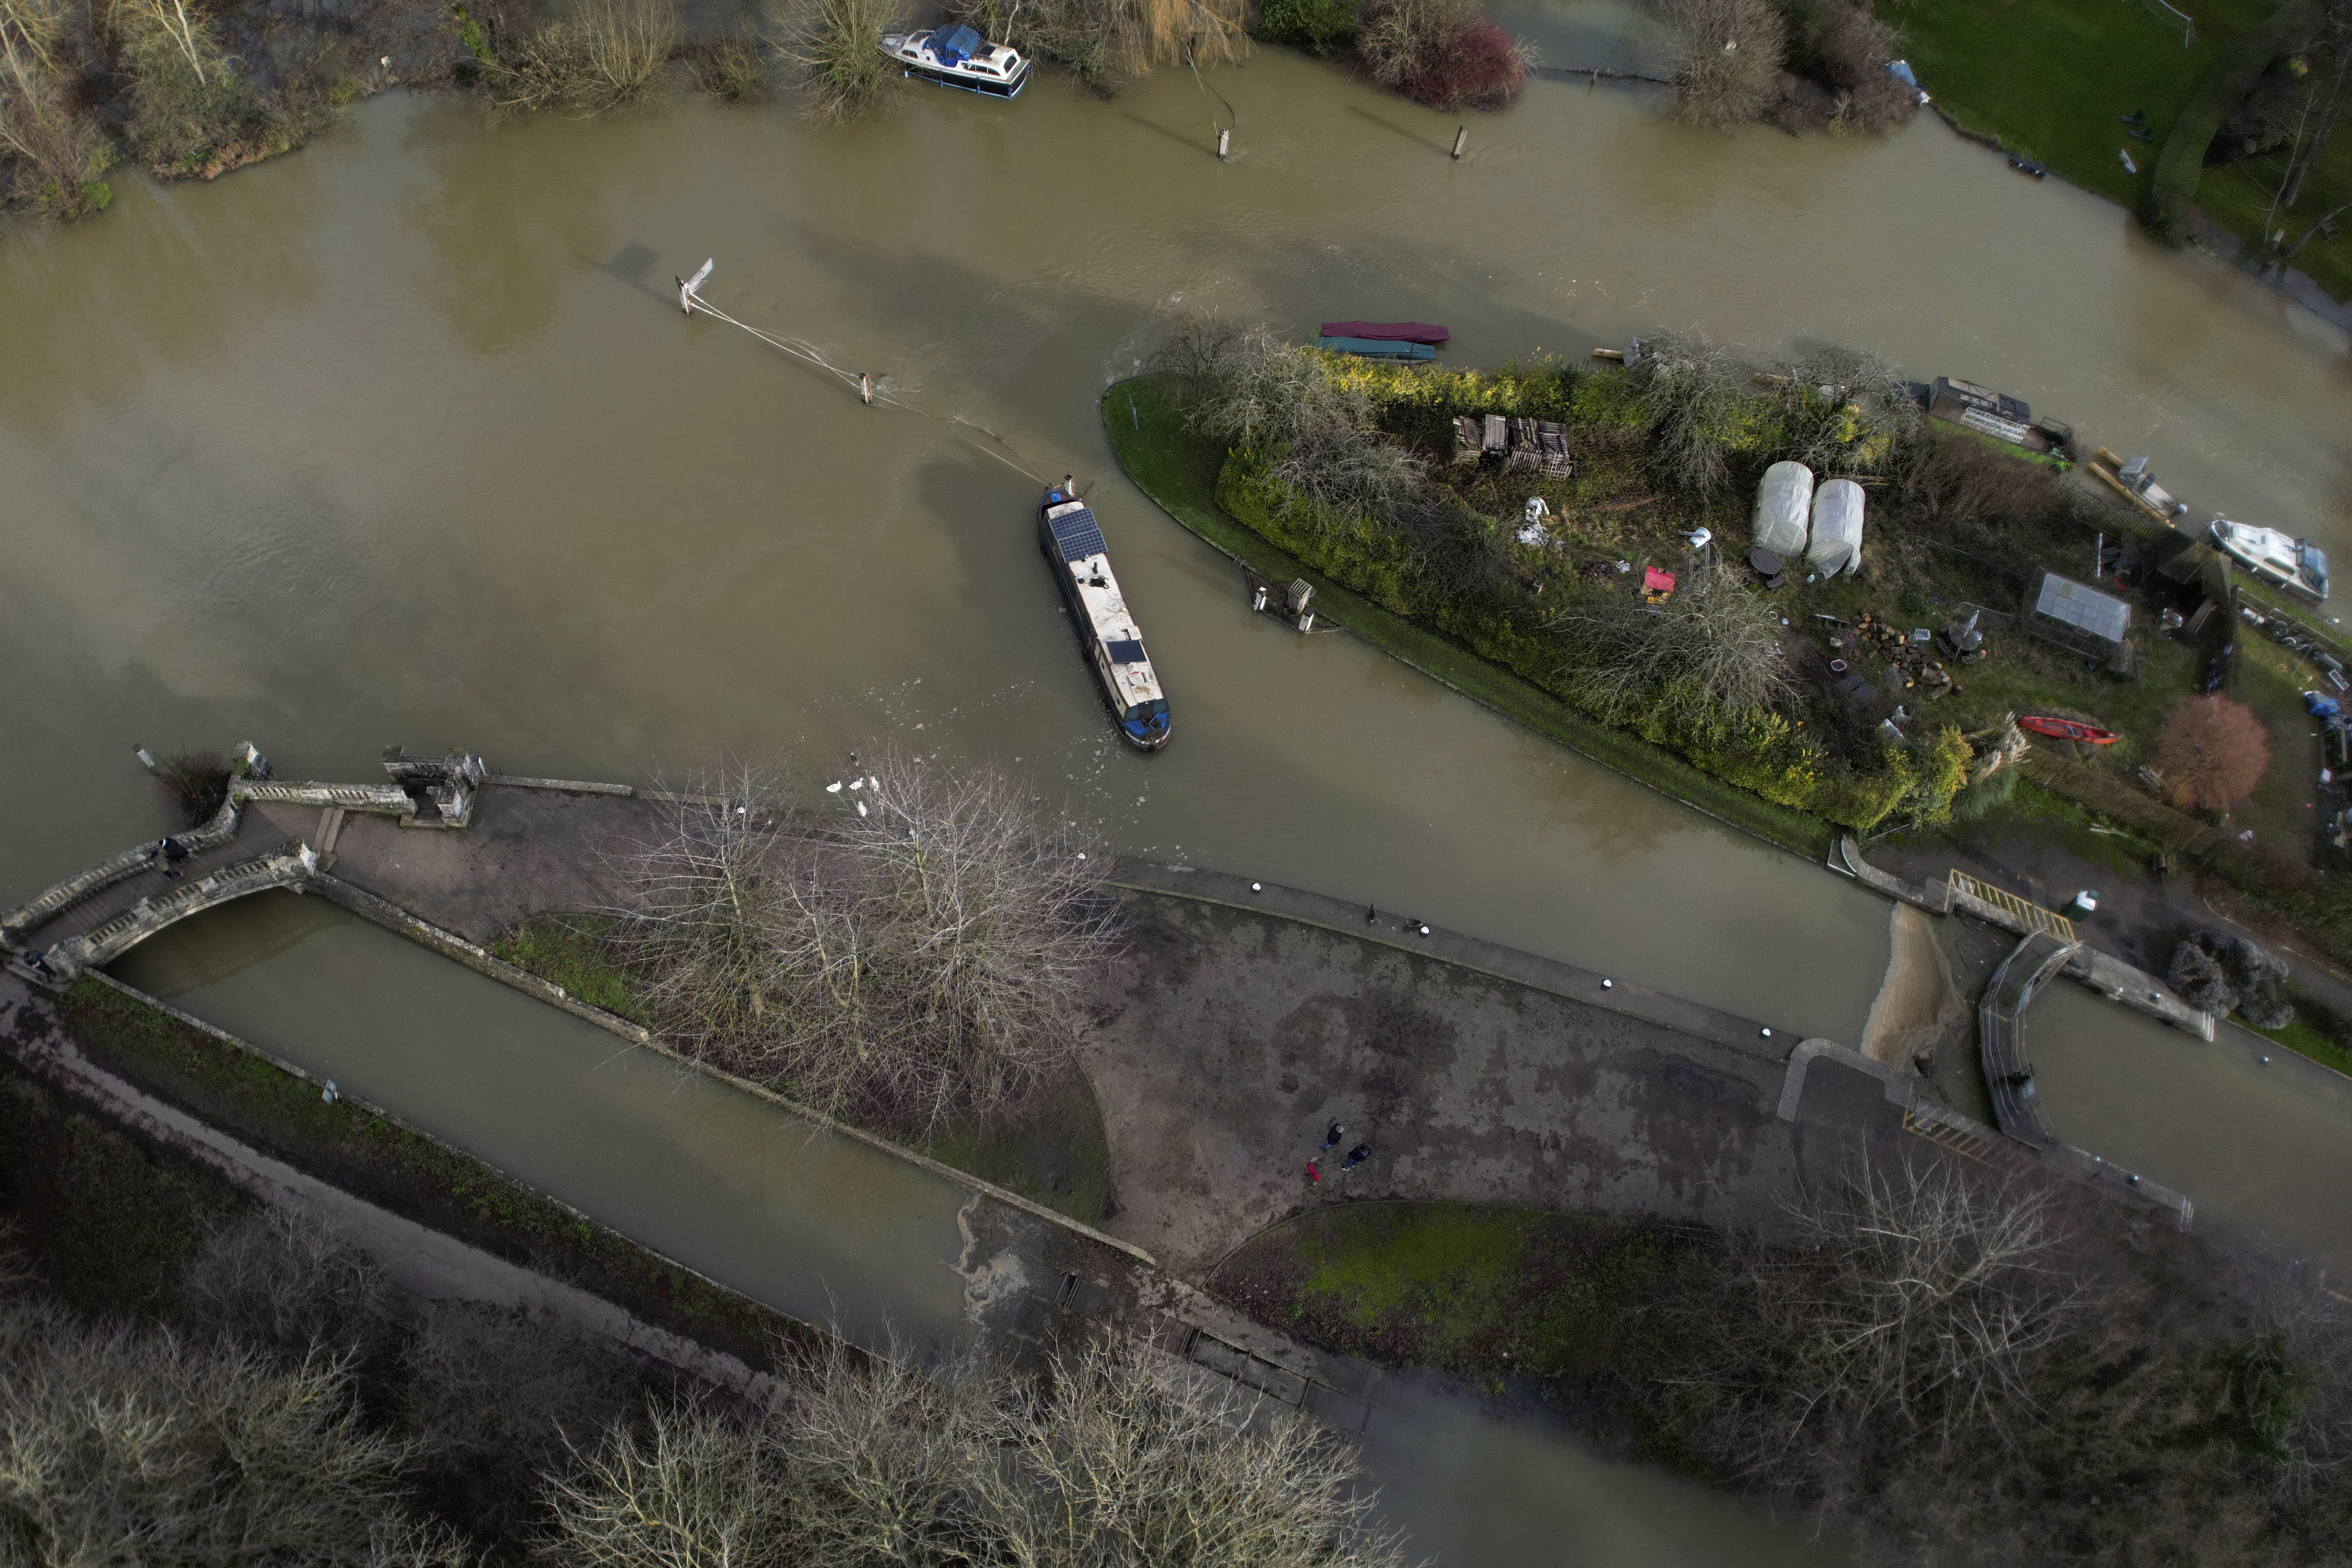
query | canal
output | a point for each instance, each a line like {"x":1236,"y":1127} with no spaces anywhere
{"x":402,"y":438}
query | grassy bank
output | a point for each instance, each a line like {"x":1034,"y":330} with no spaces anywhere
{"x":1482,"y":1292}
{"x":1048,"y":1146}
{"x":109,"y":1225}
{"x":2054,"y":79}
{"x":1179,"y":469}
{"x":361,"y":1152}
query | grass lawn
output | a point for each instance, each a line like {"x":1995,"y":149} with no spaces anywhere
{"x":2052,"y":79}
{"x":2238,"y":195}
{"x":1179,"y":469}
{"x":2270,"y":680}
{"x":2306,"y":1037}
{"x":1466,"y":1289}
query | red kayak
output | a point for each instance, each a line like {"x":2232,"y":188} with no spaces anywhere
{"x":1387,"y":331}
{"x":2069,"y":729}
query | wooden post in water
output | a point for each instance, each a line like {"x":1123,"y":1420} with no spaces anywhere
{"x":1461,"y":142}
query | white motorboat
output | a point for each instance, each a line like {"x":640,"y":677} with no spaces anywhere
{"x":957,"y":56}
{"x":2295,"y":564}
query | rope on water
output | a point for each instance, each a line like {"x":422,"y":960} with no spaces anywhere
{"x":995,"y":445}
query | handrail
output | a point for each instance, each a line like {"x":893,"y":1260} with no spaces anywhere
{"x":2000,"y":1033}
{"x":2033,"y":916}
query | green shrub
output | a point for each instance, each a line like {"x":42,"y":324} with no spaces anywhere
{"x":1322,"y":26}
{"x":1781,"y":759}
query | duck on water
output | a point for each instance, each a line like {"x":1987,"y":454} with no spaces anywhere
{"x":1073,"y":545}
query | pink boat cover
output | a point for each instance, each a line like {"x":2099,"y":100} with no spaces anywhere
{"x":1387,"y":331}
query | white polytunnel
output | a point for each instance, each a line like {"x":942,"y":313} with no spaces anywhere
{"x":1783,"y":501}
{"x":1837,"y":529}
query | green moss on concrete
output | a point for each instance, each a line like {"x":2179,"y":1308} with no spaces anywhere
{"x":574,"y":952}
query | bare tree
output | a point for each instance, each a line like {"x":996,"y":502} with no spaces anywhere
{"x":694,"y":1489}
{"x":1688,"y":394}
{"x":1908,"y":1307}
{"x":281,"y":1281}
{"x":1846,"y":410}
{"x":927,"y":943}
{"x":843,"y":75}
{"x":1124,"y":1457}
{"x":601,"y":56}
{"x":1247,"y":386}
{"x":1716,"y":642}
{"x":1135,"y":1458}
{"x":1727,"y":56}
{"x":127,"y":1445}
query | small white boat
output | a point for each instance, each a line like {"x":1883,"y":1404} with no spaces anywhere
{"x":957,"y":56}
{"x":2295,"y":564}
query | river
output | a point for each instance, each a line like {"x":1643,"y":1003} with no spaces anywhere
{"x":402,"y":438}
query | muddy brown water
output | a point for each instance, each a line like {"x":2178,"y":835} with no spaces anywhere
{"x":403,"y":438}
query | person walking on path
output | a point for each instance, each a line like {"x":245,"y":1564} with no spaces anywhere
{"x":1314,"y":1176}
{"x":1357,"y":1156}
{"x":1331,"y":1138}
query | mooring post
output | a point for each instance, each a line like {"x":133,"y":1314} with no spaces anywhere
{"x":1461,"y":142}
{"x":1225,"y":144}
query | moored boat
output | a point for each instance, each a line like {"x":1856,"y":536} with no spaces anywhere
{"x":959,"y":56}
{"x":2068,"y":729}
{"x":1387,"y":331}
{"x":2295,"y":564}
{"x":1073,"y":545}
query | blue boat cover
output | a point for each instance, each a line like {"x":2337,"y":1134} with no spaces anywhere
{"x":1077,"y":535}
{"x":1377,"y":348}
{"x":1129,"y":652}
{"x":955,"y":44}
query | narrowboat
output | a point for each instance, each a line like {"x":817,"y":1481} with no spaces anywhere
{"x":1073,"y":545}
{"x":2295,"y":564}
{"x":959,"y":56}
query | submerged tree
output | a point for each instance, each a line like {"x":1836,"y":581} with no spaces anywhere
{"x":1727,"y":56}
{"x":843,"y":75}
{"x":1447,"y":54}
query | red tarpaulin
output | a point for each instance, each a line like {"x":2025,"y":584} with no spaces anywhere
{"x":1657,"y":582}
{"x":1387,"y":331}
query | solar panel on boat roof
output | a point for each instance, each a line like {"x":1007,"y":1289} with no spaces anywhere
{"x":1077,"y":534}
{"x":1126,"y":652}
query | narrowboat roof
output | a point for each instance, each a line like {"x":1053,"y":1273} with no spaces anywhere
{"x":1076,"y":534}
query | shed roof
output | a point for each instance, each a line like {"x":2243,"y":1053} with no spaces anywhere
{"x":2102,"y":616}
